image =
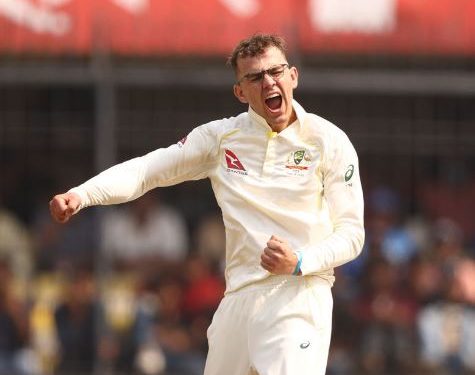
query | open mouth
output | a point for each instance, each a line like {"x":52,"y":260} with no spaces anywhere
{"x":274,"y":102}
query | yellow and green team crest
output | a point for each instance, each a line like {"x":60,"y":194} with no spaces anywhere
{"x":298,"y":156}
{"x":298,"y":161}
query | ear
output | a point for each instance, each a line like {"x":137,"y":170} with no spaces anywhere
{"x":238,"y":93}
{"x":294,"y":76}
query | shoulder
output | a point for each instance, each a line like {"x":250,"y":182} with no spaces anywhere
{"x":221,"y":127}
{"x":321,"y":127}
{"x":317,"y":128}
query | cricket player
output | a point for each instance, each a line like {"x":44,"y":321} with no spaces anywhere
{"x":288,"y":185}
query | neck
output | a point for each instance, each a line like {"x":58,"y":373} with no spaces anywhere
{"x":281,"y":126}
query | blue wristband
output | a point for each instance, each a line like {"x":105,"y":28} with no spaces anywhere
{"x":299,"y":263}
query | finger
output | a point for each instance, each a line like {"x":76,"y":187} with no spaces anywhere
{"x":266,"y":258}
{"x":54,"y":208}
{"x":273,"y":254}
{"x":267,"y":266}
{"x":59,"y":216}
{"x":276,"y":238}
{"x":62,"y":219}
{"x":275,"y":245}
{"x":70,"y":210}
{"x":74,"y":201}
{"x":272,"y":243}
{"x":267,"y":262}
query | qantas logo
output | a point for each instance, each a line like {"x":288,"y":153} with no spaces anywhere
{"x":233,"y":163}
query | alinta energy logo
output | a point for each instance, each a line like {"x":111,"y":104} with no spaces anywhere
{"x":233,"y":163}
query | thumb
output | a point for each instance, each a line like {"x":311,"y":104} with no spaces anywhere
{"x":276,"y":238}
{"x":70,"y":210}
{"x":274,"y":242}
{"x":72,"y":204}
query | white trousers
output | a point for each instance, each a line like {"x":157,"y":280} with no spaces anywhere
{"x":279,"y":326}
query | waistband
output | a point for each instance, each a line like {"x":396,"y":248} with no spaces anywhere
{"x":282,"y":281}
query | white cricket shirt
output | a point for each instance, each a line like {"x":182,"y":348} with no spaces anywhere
{"x":301,"y":184}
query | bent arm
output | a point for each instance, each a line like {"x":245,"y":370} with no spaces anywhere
{"x":344,"y":198}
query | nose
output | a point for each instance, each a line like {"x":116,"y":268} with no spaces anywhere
{"x":267,"y":80}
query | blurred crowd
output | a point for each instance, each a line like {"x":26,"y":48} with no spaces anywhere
{"x":142,"y":305}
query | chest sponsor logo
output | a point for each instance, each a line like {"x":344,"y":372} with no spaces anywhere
{"x":298,"y":162}
{"x":233,"y":163}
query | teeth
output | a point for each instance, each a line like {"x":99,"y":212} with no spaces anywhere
{"x":272,"y":96}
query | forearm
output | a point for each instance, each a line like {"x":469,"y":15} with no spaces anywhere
{"x":343,"y":195}
{"x":162,"y":167}
{"x":118,"y":184}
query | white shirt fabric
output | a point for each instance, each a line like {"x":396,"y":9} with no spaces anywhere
{"x":301,"y":184}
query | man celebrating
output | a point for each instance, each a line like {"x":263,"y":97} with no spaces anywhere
{"x":288,"y":185}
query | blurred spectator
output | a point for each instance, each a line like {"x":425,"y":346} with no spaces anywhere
{"x":13,"y":325}
{"x":210,"y":238}
{"x":343,"y":357}
{"x":448,"y":242}
{"x":75,"y":324}
{"x":173,"y":333}
{"x":118,"y":342}
{"x":388,"y":315}
{"x":145,"y":235}
{"x":16,"y":246}
{"x":450,"y":252}
{"x":63,"y":246}
{"x":386,"y":235}
{"x":447,"y":332}
{"x":451,"y":195}
{"x":204,"y":289}
{"x":46,"y":293}
{"x":425,"y":280}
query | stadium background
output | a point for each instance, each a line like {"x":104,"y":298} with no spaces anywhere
{"x":86,"y":84}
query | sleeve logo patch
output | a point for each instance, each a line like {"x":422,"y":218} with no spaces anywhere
{"x":182,"y":141}
{"x":349,"y":172}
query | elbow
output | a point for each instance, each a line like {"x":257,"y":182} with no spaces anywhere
{"x":354,"y":237}
{"x":356,"y":241}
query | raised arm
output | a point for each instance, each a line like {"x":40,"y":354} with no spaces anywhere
{"x":187,"y":160}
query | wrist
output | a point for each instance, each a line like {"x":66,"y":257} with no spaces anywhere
{"x":296,"y":271}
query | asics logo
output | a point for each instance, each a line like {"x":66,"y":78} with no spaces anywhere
{"x":305,"y":345}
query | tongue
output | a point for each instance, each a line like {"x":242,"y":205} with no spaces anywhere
{"x":274,"y":103}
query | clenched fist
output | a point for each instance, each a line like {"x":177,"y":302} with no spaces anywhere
{"x":63,"y":206}
{"x":278,"y":258}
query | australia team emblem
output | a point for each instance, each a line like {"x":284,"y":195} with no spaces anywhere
{"x":298,"y":162}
